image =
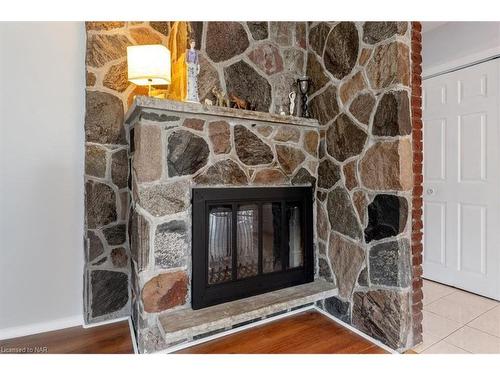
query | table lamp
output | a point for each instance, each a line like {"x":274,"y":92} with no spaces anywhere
{"x":148,"y":65}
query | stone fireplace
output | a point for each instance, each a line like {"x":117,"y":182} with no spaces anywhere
{"x":194,"y":168}
{"x":363,"y":155}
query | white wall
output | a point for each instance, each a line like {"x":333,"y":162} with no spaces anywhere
{"x":42,"y":83}
{"x":454,"y":44}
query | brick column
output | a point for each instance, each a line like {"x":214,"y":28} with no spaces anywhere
{"x":416,"y":244}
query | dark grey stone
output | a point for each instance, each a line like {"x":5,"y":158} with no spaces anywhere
{"x":342,"y":214}
{"x":251,"y":150}
{"x":104,"y":118}
{"x":328,"y":174}
{"x":139,"y":240}
{"x":303,"y":177}
{"x":246,"y":323}
{"x":338,"y":308}
{"x":95,"y":247}
{"x":324,"y":107}
{"x":186,"y":153}
{"x":374,"y":32}
{"x":116,"y":235}
{"x":321,"y":195}
{"x":259,"y":30}
{"x":363,"y":277}
{"x":243,"y":81}
{"x":225,"y":40}
{"x":171,"y":244}
{"x":100,"y":204}
{"x":341,"y":50}
{"x":162,"y":27}
{"x":109,"y":291}
{"x":390,"y":264}
{"x":317,"y":37}
{"x":344,"y":138}
{"x":152,"y":116}
{"x":392,"y":117}
{"x":387,"y":216}
{"x":324,"y":270}
{"x":196,"y":33}
{"x":119,"y":168}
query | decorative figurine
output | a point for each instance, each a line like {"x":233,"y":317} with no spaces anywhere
{"x":239,"y":103}
{"x":303,"y":84}
{"x":208,"y":102}
{"x":292,"y":97}
{"x":282,"y":111}
{"x":193,"y":69}
{"x":221,"y":98}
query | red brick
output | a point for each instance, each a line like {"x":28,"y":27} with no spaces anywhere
{"x":416,"y":102}
{"x":416,"y":237}
{"x":416,"y":26}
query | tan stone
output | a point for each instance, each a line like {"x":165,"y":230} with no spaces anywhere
{"x":106,"y":25}
{"x":387,"y":166}
{"x":361,"y":203}
{"x":219,"y":134}
{"x":165,"y":291}
{"x":148,"y":155}
{"x":287,"y":134}
{"x":323,"y":228}
{"x":389,"y":65}
{"x":346,"y":258}
{"x":289,"y":157}
{"x":95,"y":161}
{"x":311,"y":139}
{"x":90,"y":79}
{"x":364,"y":56}
{"x":264,"y":130}
{"x":351,"y":87}
{"x":144,"y":35}
{"x":194,"y":123}
{"x":103,"y":48}
{"x":270,"y":177}
{"x":351,"y":180}
{"x":116,"y":78}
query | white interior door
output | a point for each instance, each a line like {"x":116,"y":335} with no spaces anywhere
{"x":461,"y":179}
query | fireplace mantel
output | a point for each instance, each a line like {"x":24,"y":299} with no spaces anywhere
{"x":147,"y":104}
{"x":176,"y":147}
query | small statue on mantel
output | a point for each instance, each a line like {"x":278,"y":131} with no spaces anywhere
{"x":221,"y":98}
{"x":193,"y":69}
{"x":292,"y":97}
{"x":238,"y":103}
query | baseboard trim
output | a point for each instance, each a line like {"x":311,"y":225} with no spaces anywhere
{"x":105,"y":322}
{"x":356,"y":331}
{"x":32,"y":329}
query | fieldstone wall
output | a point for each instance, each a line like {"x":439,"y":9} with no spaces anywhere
{"x":258,"y":61}
{"x":175,"y":151}
{"x":361,"y":94}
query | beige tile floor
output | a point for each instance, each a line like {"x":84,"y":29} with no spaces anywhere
{"x":457,"y":322}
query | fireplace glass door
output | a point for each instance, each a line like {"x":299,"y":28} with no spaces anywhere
{"x":248,"y":241}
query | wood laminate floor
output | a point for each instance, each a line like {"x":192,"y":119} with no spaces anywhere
{"x":305,"y":333}
{"x":105,"y":339}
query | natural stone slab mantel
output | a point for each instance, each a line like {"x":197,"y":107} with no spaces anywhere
{"x":183,"y":323}
{"x":145,"y":103}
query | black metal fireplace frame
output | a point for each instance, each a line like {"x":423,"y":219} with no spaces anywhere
{"x":203,"y":294}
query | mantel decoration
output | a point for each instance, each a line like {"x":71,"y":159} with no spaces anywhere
{"x":193,"y":69}
{"x":149,"y":65}
{"x":303,"y":84}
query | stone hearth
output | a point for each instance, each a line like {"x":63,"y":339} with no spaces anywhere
{"x":175,"y":147}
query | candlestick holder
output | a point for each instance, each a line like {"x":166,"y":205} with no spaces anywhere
{"x":304,"y":84}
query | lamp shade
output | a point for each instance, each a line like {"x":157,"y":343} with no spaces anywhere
{"x":148,"y":64}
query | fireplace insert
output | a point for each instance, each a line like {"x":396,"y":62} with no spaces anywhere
{"x":248,"y":241}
